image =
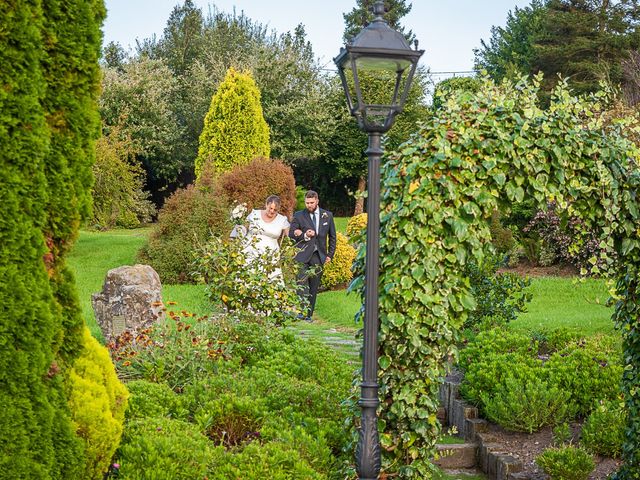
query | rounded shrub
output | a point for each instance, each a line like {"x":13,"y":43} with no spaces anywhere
{"x":149,"y":399}
{"x":164,"y":449}
{"x":97,"y":401}
{"x":338,"y":271}
{"x":185,"y":222}
{"x":566,"y":463}
{"x":603,"y":431}
{"x":254,"y":182}
{"x":356,"y":228}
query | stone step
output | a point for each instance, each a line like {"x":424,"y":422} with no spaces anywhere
{"x":457,"y":455}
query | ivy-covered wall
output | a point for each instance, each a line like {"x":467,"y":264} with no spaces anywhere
{"x":440,"y":189}
{"x":48,"y":123}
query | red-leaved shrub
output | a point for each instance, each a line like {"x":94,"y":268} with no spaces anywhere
{"x":254,"y":182}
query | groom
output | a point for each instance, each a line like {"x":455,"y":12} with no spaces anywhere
{"x":310,"y":229}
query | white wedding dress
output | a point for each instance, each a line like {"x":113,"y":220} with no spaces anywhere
{"x":263,"y":237}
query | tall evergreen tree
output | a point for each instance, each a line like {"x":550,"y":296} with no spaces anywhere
{"x":510,"y":50}
{"x":47,"y":128}
{"x":235,"y":131}
{"x":361,"y":15}
{"x":586,"y":40}
{"x":182,"y":39}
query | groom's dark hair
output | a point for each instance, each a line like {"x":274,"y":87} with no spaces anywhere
{"x":311,"y":194}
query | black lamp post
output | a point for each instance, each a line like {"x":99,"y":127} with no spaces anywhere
{"x":381,"y":51}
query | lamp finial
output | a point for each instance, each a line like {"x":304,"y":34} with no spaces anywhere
{"x":378,"y":10}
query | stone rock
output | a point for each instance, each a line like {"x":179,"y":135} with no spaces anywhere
{"x":130,"y":300}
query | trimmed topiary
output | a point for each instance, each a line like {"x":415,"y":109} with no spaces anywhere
{"x":254,"y":182}
{"x":235,"y":130}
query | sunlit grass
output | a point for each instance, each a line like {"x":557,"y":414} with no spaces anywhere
{"x":565,"y":302}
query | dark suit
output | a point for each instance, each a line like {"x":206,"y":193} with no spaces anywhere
{"x":313,"y":251}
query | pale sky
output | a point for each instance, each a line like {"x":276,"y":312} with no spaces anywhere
{"x":448,"y":31}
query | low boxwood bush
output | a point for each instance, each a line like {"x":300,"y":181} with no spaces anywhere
{"x":566,"y":463}
{"x":603,"y":431}
{"x":338,"y":272}
{"x":585,"y":372}
{"x":150,"y":399}
{"x":165,"y":449}
{"x":526,"y":403}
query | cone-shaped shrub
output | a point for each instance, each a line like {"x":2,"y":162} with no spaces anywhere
{"x":235,"y":130}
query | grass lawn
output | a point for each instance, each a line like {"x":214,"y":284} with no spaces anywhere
{"x":556,"y":301}
{"x":341,"y":224}
{"x":564,"y":302}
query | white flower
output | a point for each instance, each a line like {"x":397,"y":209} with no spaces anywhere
{"x":239,"y":211}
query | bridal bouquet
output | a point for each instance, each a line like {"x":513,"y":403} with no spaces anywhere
{"x":237,"y":217}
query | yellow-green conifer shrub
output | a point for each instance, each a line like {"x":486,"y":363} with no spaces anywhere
{"x":235,"y":131}
{"x":356,"y":227}
{"x":98,"y":401}
{"x":338,"y":271}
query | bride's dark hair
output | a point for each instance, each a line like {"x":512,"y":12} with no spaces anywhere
{"x":273,"y":199}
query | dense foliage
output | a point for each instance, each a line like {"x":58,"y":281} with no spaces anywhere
{"x":257,"y":402}
{"x":252,"y":183}
{"x":264,"y":285}
{"x":119,"y":199}
{"x":185,"y":223}
{"x":440,"y":191}
{"x":337,"y":273}
{"x":586,"y":41}
{"x":48,"y":126}
{"x":523,"y":384}
{"x":234,"y":131}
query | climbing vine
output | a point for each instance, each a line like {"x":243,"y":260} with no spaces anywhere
{"x":497,"y":145}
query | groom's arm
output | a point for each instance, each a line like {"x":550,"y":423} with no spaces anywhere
{"x":295,"y":227}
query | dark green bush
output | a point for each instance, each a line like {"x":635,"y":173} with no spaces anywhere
{"x":566,"y":463}
{"x":499,"y":296}
{"x":603,"y":431}
{"x":185,"y":222}
{"x":164,"y":449}
{"x":149,"y":399}
{"x":524,"y":403}
{"x":588,"y":374}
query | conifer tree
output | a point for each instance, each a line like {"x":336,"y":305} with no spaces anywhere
{"x":235,"y":131}
{"x":47,"y":128}
{"x":361,"y":15}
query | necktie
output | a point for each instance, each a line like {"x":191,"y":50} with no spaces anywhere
{"x":313,"y":219}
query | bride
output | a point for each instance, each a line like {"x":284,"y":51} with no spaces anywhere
{"x":266,"y":227}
